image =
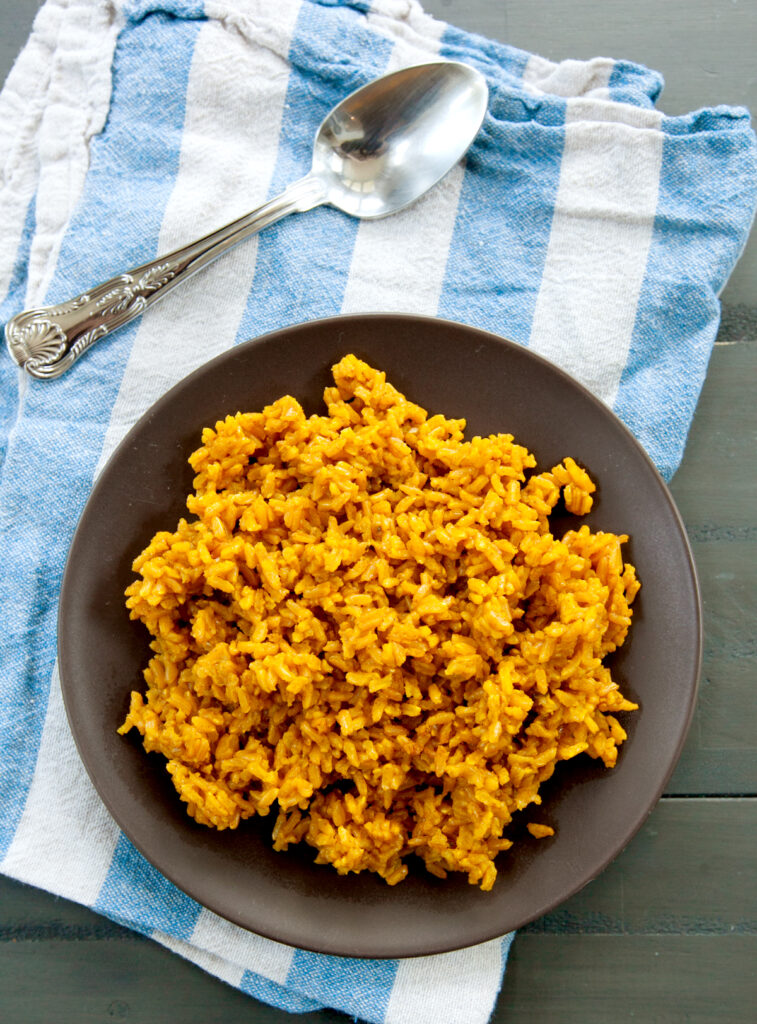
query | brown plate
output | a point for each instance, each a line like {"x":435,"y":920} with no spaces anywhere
{"x":498,"y":387}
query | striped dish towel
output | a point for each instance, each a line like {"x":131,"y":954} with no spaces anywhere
{"x":585,"y":225}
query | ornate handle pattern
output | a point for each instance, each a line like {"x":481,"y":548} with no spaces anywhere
{"x":47,"y":341}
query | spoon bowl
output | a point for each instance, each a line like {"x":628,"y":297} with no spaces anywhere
{"x":378,"y":150}
{"x":387,"y":144}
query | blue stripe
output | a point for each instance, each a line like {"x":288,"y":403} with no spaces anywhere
{"x":502,"y":65}
{"x":712,"y":119}
{"x":54,"y":448}
{"x":137,"y":891}
{"x":633,"y":83}
{"x":12,"y":303}
{"x":360,"y":988}
{"x":499,"y":243}
{"x":330,"y":57}
{"x":358,"y":5}
{"x":707,"y":195}
{"x":136,"y":10}
{"x":276,"y":995}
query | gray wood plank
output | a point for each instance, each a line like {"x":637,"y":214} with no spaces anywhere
{"x":555,"y":979}
{"x":716,"y":485}
{"x":30,"y":914}
{"x":16,"y":17}
{"x":699,"y":47}
{"x":138,"y":981}
{"x":721,"y":753}
{"x":594,"y":979}
{"x":716,"y":492}
{"x":686,"y":875}
{"x":688,"y":871}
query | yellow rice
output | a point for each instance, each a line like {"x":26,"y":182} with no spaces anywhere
{"x":367,"y":623}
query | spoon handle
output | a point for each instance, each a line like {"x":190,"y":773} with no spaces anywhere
{"x":47,"y":341}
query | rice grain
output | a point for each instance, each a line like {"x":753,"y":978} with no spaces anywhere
{"x":367,"y":625}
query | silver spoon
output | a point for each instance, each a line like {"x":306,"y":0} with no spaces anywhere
{"x":378,"y":151}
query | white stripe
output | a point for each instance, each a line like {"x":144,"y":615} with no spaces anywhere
{"x":76,"y":106}
{"x":598,"y":247}
{"x":460,"y":987}
{"x":65,"y":839}
{"x":569,"y":77}
{"x":596,"y":109}
{"x":241,"y":948}
{"x":223,"y":969}
{"x":21,"y":104}
{"x":398,"y":263}
{"x":260,"y":23}
{"x":235,"y":101}
{"x":55,"y":99}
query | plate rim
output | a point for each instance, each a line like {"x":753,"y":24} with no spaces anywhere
{"x":405,"y":949}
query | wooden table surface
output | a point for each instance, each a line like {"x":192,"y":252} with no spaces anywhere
{"x":669,"y":932}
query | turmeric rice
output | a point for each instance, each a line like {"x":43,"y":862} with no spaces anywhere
{"x":367,"y":624}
